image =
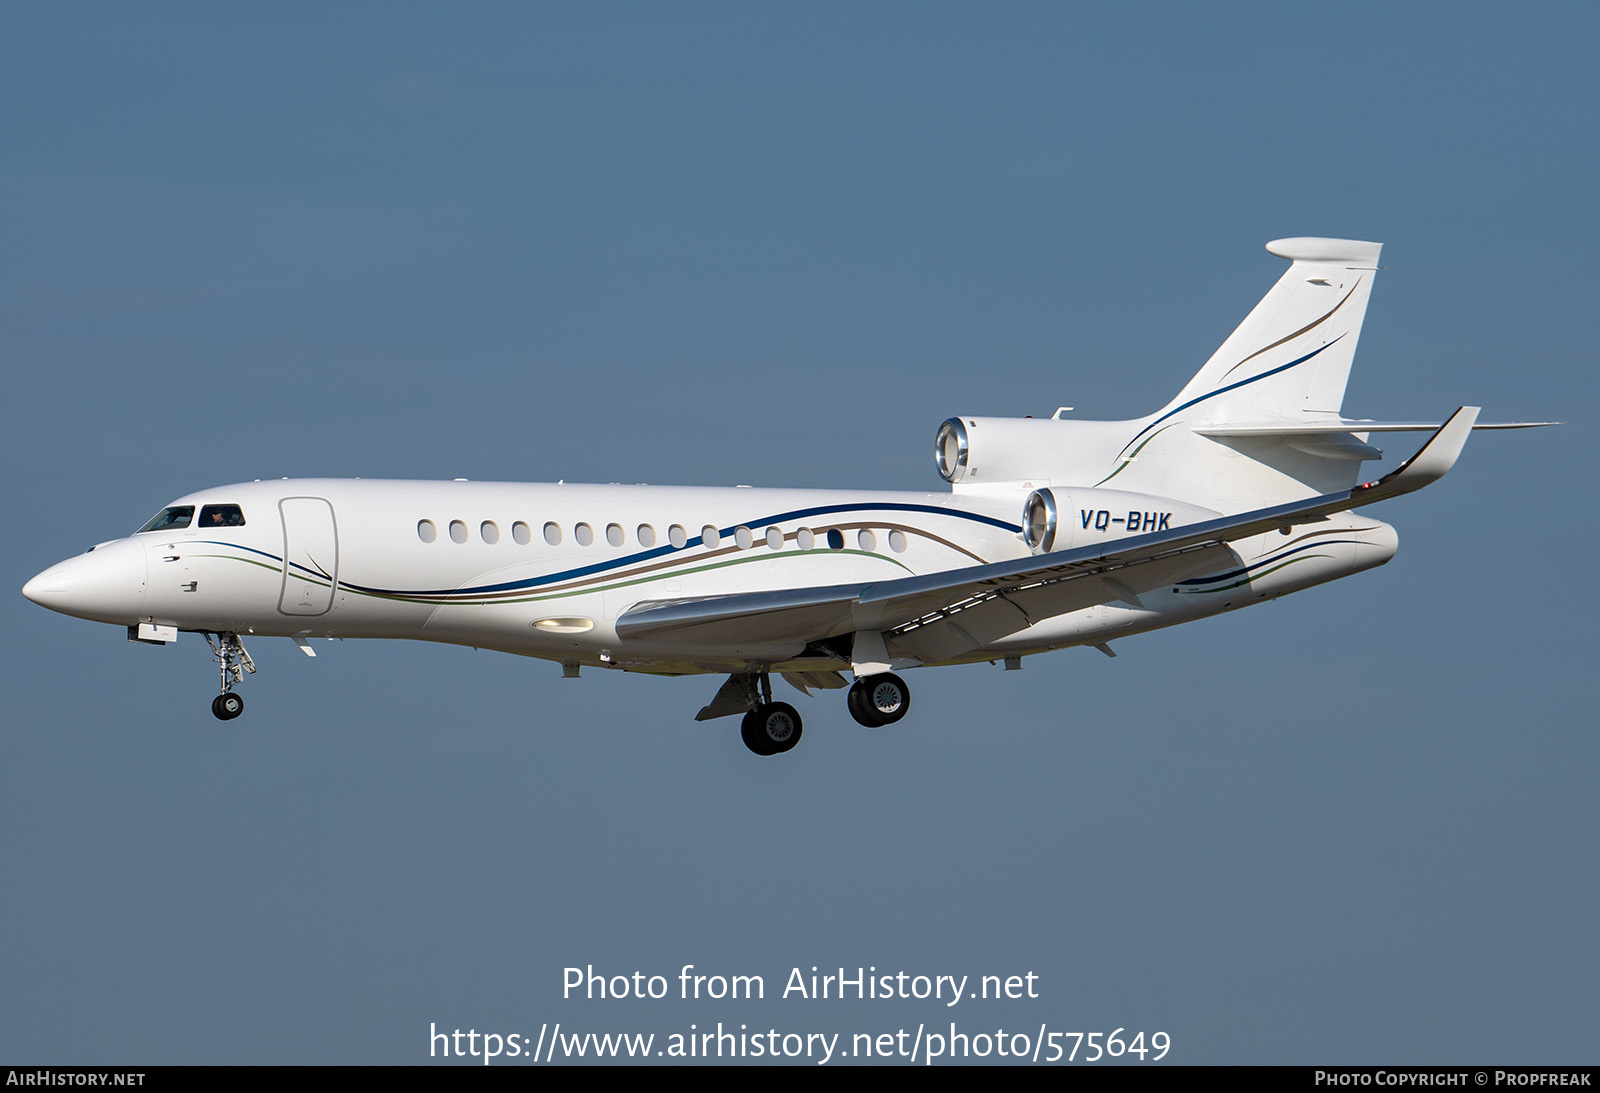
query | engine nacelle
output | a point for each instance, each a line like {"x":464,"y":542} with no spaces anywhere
{"x":997,"y":451}
{"x":1060,"y":519}
{"x":1039,"y":521}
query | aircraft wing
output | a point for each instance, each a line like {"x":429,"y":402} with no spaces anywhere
{"x":1115,"y":570}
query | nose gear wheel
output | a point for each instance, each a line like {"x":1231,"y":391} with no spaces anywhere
{"x":233,"y":662}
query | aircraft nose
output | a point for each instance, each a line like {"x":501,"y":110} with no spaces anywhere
{"x":106,"y":584}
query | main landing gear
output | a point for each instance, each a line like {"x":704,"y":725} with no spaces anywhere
{"x":230,"y":656}
{"x":770,"y":728}
{"x":878,"y":700}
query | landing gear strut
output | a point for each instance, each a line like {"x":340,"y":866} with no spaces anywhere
{"x":770,"y":728}
{"x":878,"y":700}
{"x":228,"y":651}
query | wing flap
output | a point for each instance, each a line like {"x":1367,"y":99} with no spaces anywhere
{"x":955,"y":631}
{"x":799,"y":614}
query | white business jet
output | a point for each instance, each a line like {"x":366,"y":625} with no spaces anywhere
{"x":1054,"y":533}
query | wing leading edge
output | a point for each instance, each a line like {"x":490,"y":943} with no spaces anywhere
{"x":817,"y":614}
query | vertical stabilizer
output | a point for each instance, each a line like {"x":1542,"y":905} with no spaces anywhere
{"x":1292,"y":354}
{"x":1260,"y":423}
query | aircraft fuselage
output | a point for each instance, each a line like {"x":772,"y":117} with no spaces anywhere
{"x":546,"y":570}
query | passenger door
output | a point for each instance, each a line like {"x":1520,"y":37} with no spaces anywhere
{"x":310,"y":556}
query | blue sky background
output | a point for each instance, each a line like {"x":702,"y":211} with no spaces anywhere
{"x":708,"y":244}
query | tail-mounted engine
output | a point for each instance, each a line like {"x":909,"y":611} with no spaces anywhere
{"x":1039,"y":521}
{"x":1020,"y":452}
{"x":950,"y":450}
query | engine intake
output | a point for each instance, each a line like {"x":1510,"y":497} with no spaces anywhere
{"x":1039,"y":521}
{"x":950,"y":450}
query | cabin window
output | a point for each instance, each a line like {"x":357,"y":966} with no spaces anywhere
{"x":677,"y":536}
{"x":742,"y":536}
{"x":584,"y":534}
{"x":614,"y":535}
{"x":835,"y":539}
{"x":521,"y":533}
{"x":426,"y":531}
{"x":804,"y":539}
{"x":552,"y":533}
{"x":177,"y":516}
{"x":489,"y":531}
{"x":710,"y":537}
{"x":774,"y":538}
{"x":221,"y":516}
{"x":458,"y":531}
{"x":868,"y":541}
{"x":646,"y":535}
{"x":897,"y":541}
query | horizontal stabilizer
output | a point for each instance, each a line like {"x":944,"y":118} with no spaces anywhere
{"x":1347,"y":425}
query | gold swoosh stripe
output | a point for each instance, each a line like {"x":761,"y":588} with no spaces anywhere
{"x":1296,"y":334}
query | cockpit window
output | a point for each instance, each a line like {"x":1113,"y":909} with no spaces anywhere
{"x":221,"y":516}
{"x":178,"y":516}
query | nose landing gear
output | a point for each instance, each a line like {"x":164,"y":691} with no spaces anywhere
{"x":230,"y":655}
{"x":769,"y":728}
